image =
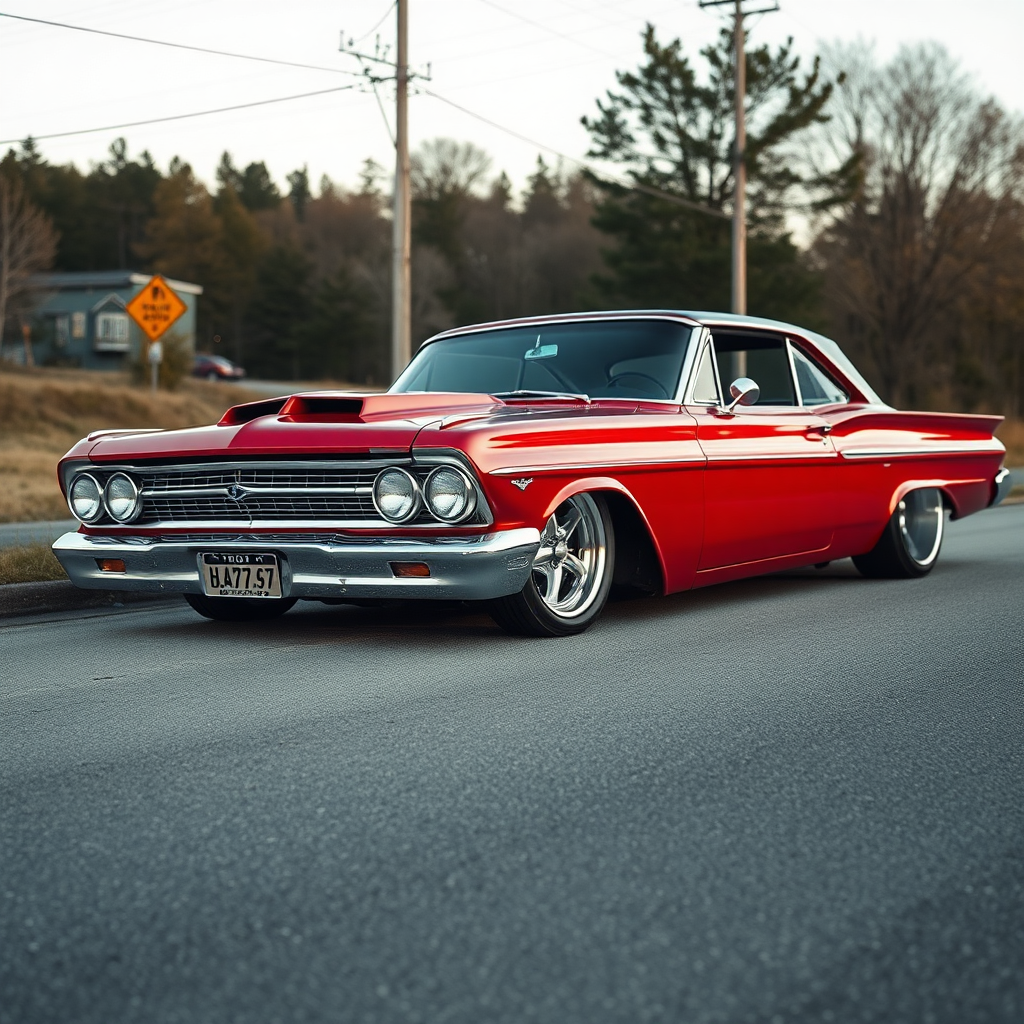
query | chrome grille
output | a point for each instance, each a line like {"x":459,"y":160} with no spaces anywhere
{"x":257,"y":494}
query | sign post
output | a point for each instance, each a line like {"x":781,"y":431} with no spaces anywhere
{"x":154,"y":309}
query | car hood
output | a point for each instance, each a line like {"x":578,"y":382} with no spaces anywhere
{"x":316,"y":423}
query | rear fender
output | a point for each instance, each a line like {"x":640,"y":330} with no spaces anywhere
{"x":948,"y":491}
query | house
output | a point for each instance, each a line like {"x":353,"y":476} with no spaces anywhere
{"x":80,"y":319}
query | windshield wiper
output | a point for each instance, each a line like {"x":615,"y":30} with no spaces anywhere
{"x":540,"y":394}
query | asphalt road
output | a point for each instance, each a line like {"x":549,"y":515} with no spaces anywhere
{"x":791,"y":799}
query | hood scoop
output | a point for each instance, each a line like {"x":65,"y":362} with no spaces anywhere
{"x":342,"y":407}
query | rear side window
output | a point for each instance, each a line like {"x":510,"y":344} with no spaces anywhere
{"x":763,"y":358}
{"x":816,"y":386}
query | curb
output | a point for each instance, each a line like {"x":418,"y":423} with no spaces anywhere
{"x":61,"y":596}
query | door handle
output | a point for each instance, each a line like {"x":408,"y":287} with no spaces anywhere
{"x":819,"y":428}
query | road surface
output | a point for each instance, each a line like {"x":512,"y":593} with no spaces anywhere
{"x":791,"y":799}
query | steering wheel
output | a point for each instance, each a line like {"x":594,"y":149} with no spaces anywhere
{"x":636,"y":373}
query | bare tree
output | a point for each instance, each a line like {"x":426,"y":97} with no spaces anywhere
{"x":942,"y":177}
{"x":28,"y":244}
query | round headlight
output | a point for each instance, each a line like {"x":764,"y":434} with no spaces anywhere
{"x":85,"y":498}
{"x":450,"y":495}
{"x":396,"y":495}
{"x":121,"y":496}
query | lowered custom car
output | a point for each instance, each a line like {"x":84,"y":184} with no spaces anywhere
{"x":535,"y":465}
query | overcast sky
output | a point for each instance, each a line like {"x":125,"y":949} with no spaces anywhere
{"x":531,"y":66}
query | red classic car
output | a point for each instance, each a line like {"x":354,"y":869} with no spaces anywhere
{"x":534,"y":465}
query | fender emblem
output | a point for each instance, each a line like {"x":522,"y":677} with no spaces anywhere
{"x":523,"y":482}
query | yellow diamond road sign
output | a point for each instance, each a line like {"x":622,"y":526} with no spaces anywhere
{"x":156,"y":307}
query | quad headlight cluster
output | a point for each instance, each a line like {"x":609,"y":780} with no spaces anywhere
{"x":119,"y":498}
{"x":448,"y":494}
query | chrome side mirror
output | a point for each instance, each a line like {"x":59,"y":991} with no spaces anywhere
{"x":744,"y":391}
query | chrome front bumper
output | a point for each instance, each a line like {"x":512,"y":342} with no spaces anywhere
{"x":461,"y":568}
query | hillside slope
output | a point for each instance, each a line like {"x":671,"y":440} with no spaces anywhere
{"x":44,"y":412}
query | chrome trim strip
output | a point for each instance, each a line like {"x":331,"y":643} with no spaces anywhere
{"x":170,"y":527}
{"x":216,"y":491}
{"x":183,"y":464}
{"x":963,"y":448}
{"x":571,"y":467}
{"x":774,"y":457}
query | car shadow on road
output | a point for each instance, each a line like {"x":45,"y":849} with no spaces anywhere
{"x":437,"y":623}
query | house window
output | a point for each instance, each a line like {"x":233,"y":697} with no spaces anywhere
{"x":61,"y":329}
{"x":111,"y":332}
{"x":78,"y":325}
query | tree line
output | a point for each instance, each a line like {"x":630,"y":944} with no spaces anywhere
{"x":885,"y":208}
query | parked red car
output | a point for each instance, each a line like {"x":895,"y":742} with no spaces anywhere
{"x":535,"y":464}
{"x":216,"y":368}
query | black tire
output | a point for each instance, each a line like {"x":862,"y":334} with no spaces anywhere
{"x":239,"y":609}
{"x":578,"y":540}
{"x":910,"y":543}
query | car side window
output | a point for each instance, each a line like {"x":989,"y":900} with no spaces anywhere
{"x":705,"y":385}
{"x":816,"y":386}
{"x":763,"y":358}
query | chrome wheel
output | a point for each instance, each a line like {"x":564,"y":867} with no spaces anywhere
{"x":909,"y":544}
{"x":570,"y":563}
{"x":920,"y":520}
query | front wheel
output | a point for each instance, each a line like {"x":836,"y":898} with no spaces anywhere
{"x":572,"y":573}
{"x":909,"y":545}
{"x":239,"y":609}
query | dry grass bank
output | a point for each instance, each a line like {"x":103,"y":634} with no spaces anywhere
{"x":1011,"y":433}
{"x":44,"y":412}
{"x":29,"y":564}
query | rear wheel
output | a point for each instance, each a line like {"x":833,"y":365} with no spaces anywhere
{"x":910,"y":543}
{"x":239,"y":609}
{"x":572,"y":573}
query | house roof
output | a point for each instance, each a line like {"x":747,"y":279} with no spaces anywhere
{"x":104,"y":279}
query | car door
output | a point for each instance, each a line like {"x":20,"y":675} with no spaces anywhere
{"x":770,"y":466}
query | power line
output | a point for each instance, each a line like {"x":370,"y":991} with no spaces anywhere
{"x":181,"y":117}
{"x":366,"y":35}
{"x":178,"y":46}
{"x":545,"y":28}
{"x":657,"y":193}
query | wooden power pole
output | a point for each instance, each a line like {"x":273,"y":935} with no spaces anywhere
{"x":401,"y":244}
{"x":739,"y":202}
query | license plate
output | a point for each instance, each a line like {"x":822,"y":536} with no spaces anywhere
{"x":240,"y":574}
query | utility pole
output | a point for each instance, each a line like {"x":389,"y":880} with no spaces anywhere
{"x":401,"y":227}
{"x":401,"y":243}
{"x":739,"y":165}
{"x":739,"y":207}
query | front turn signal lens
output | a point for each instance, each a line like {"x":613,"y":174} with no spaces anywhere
{"x":407,"y":570}
{"x":111,"y":564}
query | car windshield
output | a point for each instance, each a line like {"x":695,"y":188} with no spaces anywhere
{"x":597,"y":358}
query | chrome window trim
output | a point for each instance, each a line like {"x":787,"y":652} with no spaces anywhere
{"x":508,"y":325}
{"x":798,"y":393}
{"x":707,"y":342}
{"x":795,"y":349}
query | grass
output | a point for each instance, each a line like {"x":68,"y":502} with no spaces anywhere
{"x":1011,"y":433}
{"x":44,"y":412}
{"x":29,"y":564}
